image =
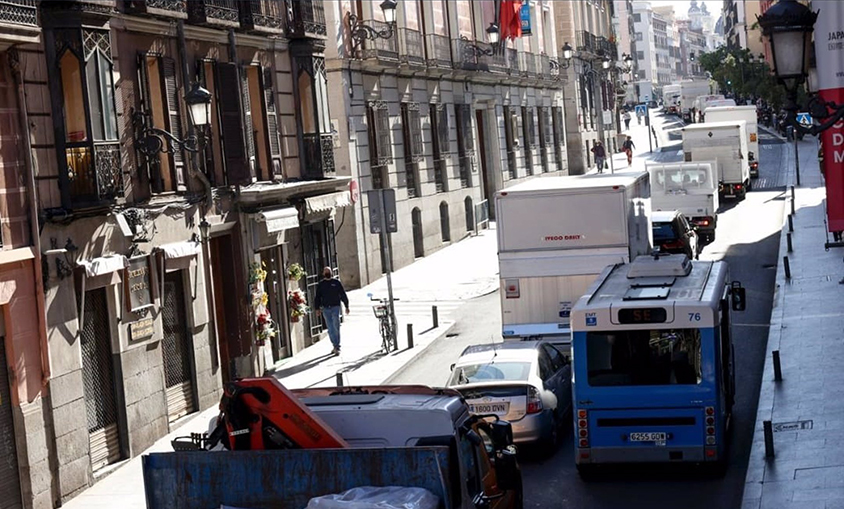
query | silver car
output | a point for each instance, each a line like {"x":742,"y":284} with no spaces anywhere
{"x":527,"y":383}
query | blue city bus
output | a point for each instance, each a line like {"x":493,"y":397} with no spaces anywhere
{"x":653,"y":369}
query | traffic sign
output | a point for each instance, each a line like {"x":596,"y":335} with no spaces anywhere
{"x":382,"y":210}
{"x":641,"y":109}
{"x":805,"y":119}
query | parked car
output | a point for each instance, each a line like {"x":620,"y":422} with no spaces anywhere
{"x":674,"y":234}
{"x":527,"y":383}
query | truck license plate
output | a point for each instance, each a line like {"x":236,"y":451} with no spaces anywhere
{"x":490,"y":408}
{"x":647,"y":437}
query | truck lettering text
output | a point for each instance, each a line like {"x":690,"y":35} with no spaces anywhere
{"x":556,"y":238}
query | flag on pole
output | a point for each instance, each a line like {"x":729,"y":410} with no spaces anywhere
{"x":510,"y":20}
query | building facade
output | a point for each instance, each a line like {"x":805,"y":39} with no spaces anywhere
{"x":624,"y":28}
{"x":590,"y":91}
{"x":692,"y":46}
{"x":432,"y":113}
{"x":735,"y":23}
{"x":647,"y":79}
{"x":147,"y":255}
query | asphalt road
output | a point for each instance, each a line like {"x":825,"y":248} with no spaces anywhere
{"x":747,"y":238}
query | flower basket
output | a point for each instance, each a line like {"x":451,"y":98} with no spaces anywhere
{"x":297,"y":305}
{"x":295,"y":272}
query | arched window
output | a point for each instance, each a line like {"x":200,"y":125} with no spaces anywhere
{"x":470,"y":214}
{"x":418,"y":243}
{"x":445,"y":224}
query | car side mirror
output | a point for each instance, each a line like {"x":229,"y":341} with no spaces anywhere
{"x":501,"y":433}
{"x":452,"y":367}
{"x":738,"y":296}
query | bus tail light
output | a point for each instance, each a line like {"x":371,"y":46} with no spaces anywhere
{"x":583,"y":443}
{"x":710,"y":430}
{"x":710,"y":410}
{"x":710,"y":421}
{"x":534,"y":403}
{"x":583,"y":432}
{"x":710,"y":440}
{"x":581,"y":414}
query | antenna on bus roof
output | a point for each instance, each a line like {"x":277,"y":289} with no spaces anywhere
{"x":494,"y":351}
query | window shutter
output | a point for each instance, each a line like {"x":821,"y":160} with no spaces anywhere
{"x":272,"y":123}
{"x":231,"y":125}
{"x":248,"y":124}
{"x":174,"y":117}
{"x":466,"y":129}
{"x":373,"y":138}
{"x":405,"y":131}
{"x":152,"y":164}
{"x":416,"y":133}
{"x":508,"y":128}
{"x":442,"y":129}
{"x":542,"y":127}
{"x":208,"y":153}
{"x":385,"y":149}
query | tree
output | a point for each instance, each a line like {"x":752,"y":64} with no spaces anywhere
{"x":737,"y":75}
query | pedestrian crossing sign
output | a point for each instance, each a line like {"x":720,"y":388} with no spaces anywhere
{"x":641,"y":109}
{"x":804,"y":119}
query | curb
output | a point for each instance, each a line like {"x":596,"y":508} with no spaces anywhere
{"x":445,"y":328}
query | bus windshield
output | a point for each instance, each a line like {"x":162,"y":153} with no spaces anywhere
{"x":643,"y":357}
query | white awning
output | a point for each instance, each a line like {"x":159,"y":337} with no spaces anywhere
{"x":329,"y":201}
{"x":104,"y":265}
{"x":180,"y":250}
{"x":286,"y":218}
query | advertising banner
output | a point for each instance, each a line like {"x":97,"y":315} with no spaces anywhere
{"x":525,"y":16}
{"x":829,"y":54}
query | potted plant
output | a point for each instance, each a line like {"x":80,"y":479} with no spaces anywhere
{"x":296,"y":304}
{"x":295,"y":272}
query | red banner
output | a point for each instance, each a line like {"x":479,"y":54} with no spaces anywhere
{"x":510,"y":25}
{"x":829,"y":55}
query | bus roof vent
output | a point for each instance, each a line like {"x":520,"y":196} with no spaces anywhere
{"x":660,"y":265}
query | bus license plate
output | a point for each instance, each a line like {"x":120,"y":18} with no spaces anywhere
{"x":490,"y":408}
{"x":647,"y":437}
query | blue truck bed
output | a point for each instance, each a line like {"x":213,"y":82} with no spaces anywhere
{"x":287,"y":478}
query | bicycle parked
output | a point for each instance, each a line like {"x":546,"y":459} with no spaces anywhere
{"x":386,"y":322}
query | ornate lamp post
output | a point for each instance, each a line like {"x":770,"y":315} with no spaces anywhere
{"x":493,"y":35}
{"x":151,"y":140}
{"x":361,"y":32}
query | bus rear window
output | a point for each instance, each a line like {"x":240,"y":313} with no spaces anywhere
{"x":643,"y":357}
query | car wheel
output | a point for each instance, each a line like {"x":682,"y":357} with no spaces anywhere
{"x":551,"y":440}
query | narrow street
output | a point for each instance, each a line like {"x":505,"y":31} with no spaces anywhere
{"x":747,"y":238}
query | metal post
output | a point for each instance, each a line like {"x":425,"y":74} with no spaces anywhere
{"x":388,"y":269}
{"x":790,"y":223}
{"x":769,"y":438}
{"x":787,"y":267}
{"x":599,"y":105}
{"x":777,"y":366}
{"x":648,"y":126}
{"x":792,"y":195}
{"x":339,"y":379}
{"x":435,"y":316}
{"x":410,"y":335}
{"x":788,"y":241}
{"x":796,"y":160}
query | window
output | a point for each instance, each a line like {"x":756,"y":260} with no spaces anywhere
{"x":510,"y":128}
{"x":644,"y":357}
{"x":311,"y":87}
{"x":637,"y":18}
{"x":529,"y":135}
{"x":640,"y":55}
{"x":639,"y":36}
{"x":512,"y":371}
{"x":380,"y":143}
{"x":440,"y":142}
{"x":445,"y":226}
{"x":412,"y":131}
{"x":465,"y":142}
{"x":470,"y":465}
{"x":546,"y":369}
{"x":89,"y":151}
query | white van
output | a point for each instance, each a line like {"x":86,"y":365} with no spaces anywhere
{"x":748,"y":114}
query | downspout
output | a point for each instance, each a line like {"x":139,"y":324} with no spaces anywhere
{"x":33,"y":221}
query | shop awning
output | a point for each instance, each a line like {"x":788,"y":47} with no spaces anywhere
{"x":329,"y":201}
{"x":104,"y":265}
{"x":286,"y":218}
{"x":178,"y":250}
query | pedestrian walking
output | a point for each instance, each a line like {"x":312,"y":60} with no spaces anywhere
{"x":329,"y":294}
{"x":627,"y":119}
{"x":627,"y":147}
{"x":600,"y":155}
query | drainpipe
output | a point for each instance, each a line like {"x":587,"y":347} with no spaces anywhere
{"x":29,"y":171}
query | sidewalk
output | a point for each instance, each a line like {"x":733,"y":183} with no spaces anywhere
{"x":807,"y":406}
{"x":664,"y":148}
{"x":447,"y":278}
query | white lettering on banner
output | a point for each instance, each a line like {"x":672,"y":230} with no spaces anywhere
{"x":557,"y":238}
{"x":838,"y":156}
{"x":829,"y":47}
{"x":837,"y":139}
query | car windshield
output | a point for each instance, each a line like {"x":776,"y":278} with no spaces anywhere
{"x":663,"y":232}
{"x":643,"y":357}
{"x":490,"y":372}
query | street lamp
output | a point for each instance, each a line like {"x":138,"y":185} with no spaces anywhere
{"x":788,"y":25}
{"x":151,"y":140}
{"x":360,"y":31}
{"x":472,"y":51}
{"x":627,"y":60}
{"x":199,"y":105}
{"x":605,"y":63}
{"x":568,"y":53}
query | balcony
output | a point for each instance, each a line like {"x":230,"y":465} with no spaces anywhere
{"x":513,"y":63}
{"x":262,"y":16}
{"x":464,"y":56}
{"x":18,"y":22}
{"x":386,"y":50}
{"x":217,"y":13}
{"x":587,"y":42}
{"x":318,"y":156}
{"x":496,"y":63}
{"x":94,"y":177}
{"x":306,"y":19}
{"x":411,"y":47}
{"x":171,"y":9}
{"x":439,"y":51}
{"x":528,"y":64}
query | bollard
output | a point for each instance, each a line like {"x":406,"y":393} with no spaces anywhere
{"x":339,"y":379}
{"x":777,"y":366}
{"x":410,"y":335}
{"x":792,"y":206}
{"x":788,"y":241}
{"x":769,"y":438}
{"x":792,"y":194}
{"x":435,"y":316}
{"x":790,"y":223}
{"x":787,"y":267}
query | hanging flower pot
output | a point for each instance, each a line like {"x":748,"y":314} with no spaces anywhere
{"x":295,"y":272}
{"x":294,"y":318}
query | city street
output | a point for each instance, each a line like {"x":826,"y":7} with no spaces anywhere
{"x":748,"y":238}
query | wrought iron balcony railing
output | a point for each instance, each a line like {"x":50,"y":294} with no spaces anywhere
{"x":495,"y":62}
{"x":513,"y":64}
{"x":439,"y":51}
{"x":222,"y":13}
{"x":464,"y":56}
{"x":380,"y":49}
{"x":319,"y":156}
{"x":528,"y":66}
{"x":587,"y":42}
{"x":263,"y":16}
{"x":95,"y":175}
{"x":306,"y":19}
{"x":19,"y":12}
{"x":160,"y":8}
{"x":411,"y":47}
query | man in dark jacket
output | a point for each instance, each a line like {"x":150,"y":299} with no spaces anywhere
{"x":330,"y":293}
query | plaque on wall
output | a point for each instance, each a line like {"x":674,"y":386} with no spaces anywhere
{"x":138,"y":284}
{"x":142,"y":329}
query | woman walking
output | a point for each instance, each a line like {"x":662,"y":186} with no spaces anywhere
{"x":628,"y":147}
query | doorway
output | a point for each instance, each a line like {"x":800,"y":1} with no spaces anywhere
{"x":418,"y":238}
{"x":177,"y":349}
{"x":487,"y":183}
{"x":275,"y":261}
{"x":319,"y":250}
{"x":225,"y":266}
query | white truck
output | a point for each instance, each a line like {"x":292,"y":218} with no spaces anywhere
{"x":704,"y":101}
{"x":671,"y":98}
{"x":555,"y":235}
{"x":691,"y":188}
{"x":726,"y":143}
{"x":689,"y":92}
{"x":748,"y":114}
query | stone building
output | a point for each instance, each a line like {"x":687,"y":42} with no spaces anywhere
{"x":428,"y":109}
{"x":146,"y":259}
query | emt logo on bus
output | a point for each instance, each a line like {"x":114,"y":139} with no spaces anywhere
{"x":642,"y":315}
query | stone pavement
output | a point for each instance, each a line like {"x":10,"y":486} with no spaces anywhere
{"x":447,"y":278}
{"x":807,"y":406}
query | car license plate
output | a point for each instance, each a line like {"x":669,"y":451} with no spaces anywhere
{"x":647,"y":437}
{"x":490,"y":408}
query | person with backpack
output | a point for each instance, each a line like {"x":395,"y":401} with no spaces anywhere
{"x":627,"y":147}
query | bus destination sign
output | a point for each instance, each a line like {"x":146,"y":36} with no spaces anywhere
{"x":642,"y":315}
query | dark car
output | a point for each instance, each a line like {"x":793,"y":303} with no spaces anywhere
{"x":673,"y":234}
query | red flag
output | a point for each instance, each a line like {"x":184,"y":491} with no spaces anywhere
{"x":510,"y":20}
